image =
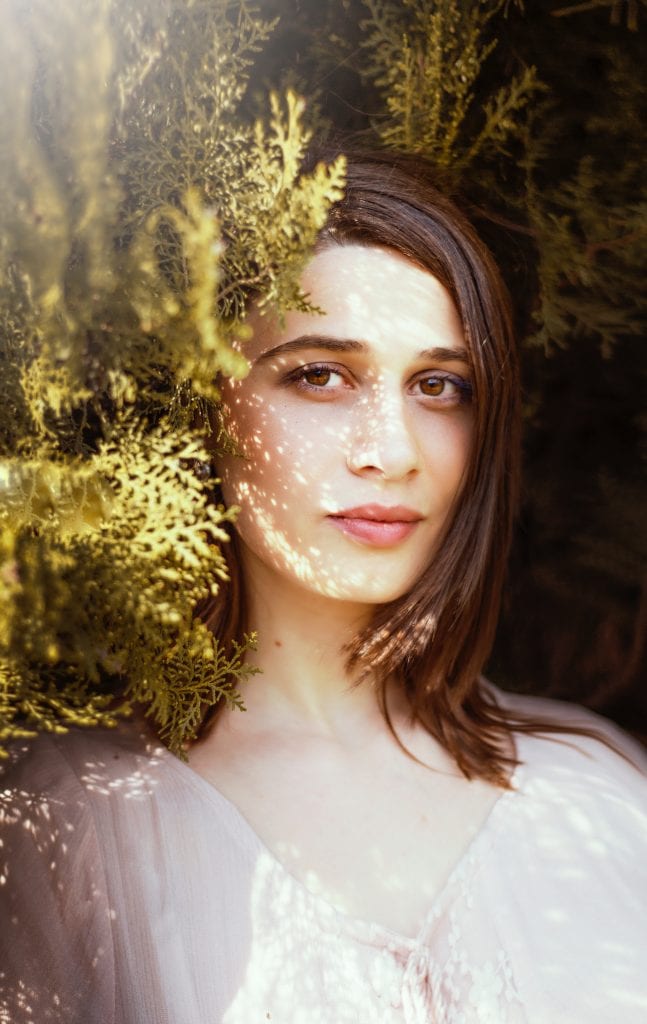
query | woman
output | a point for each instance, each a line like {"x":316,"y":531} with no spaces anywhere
{"x":381,"y":836}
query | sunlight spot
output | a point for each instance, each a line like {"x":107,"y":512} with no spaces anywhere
{"x":557,"y":916}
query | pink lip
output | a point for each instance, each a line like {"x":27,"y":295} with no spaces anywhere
{"x":381,"y":513}
{"x":380,"y":526}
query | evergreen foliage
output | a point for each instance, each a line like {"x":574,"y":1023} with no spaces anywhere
{"x":425,"y":58}
{"x":137,"y":210}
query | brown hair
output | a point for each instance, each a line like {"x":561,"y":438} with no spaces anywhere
{"x":435,"y":639}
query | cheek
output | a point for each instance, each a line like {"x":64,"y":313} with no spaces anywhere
{"x":274,"y":470}
{"x":447,"y":446}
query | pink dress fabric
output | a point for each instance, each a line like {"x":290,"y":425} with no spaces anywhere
{"x":132,"y":892}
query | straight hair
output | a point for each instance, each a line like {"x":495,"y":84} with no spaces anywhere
{"x":434,"y":640}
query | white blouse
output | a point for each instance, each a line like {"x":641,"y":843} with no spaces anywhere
{"x":133,"y":892}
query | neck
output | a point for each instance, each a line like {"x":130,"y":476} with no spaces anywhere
{"x":304,"y":682}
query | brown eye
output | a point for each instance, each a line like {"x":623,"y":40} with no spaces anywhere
{"x":432,"y":385}
{"x":319,"y":376}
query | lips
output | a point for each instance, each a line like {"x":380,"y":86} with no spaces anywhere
{"x":379,"y":526}
{"x":381,"y":513}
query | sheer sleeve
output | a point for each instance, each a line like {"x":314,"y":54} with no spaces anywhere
{"x":56,"y":957}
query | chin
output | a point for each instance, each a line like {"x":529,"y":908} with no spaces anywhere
{"x":335,"y":576}
{"x":368,"y":593}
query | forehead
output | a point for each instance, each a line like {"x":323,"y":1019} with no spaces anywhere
{"x":369,"y":294}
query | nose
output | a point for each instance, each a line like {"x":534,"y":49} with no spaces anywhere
{"x":383,"y":442}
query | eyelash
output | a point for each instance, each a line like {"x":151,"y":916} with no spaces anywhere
{"x":464,"y":390}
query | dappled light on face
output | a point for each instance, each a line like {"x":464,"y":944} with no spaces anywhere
{"x":366,"y":405}
{"x":305,"y":565}
{"x":286,"y":493}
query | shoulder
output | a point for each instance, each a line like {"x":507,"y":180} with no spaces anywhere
{"x":64,"y":766}
{"x":603,"y":748}
{"x":565,"y":875}
{"x":110,"y":847}
{"x":50,"y":786}
{"x":113,"y":784}
{"x":589,"y":789}
{"x":84,"y":787}
{"x":53,"y":892}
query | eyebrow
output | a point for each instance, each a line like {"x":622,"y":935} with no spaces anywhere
{"x":306,"y":341}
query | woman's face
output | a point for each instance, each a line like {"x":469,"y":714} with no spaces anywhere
{"x":355,"y":426}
